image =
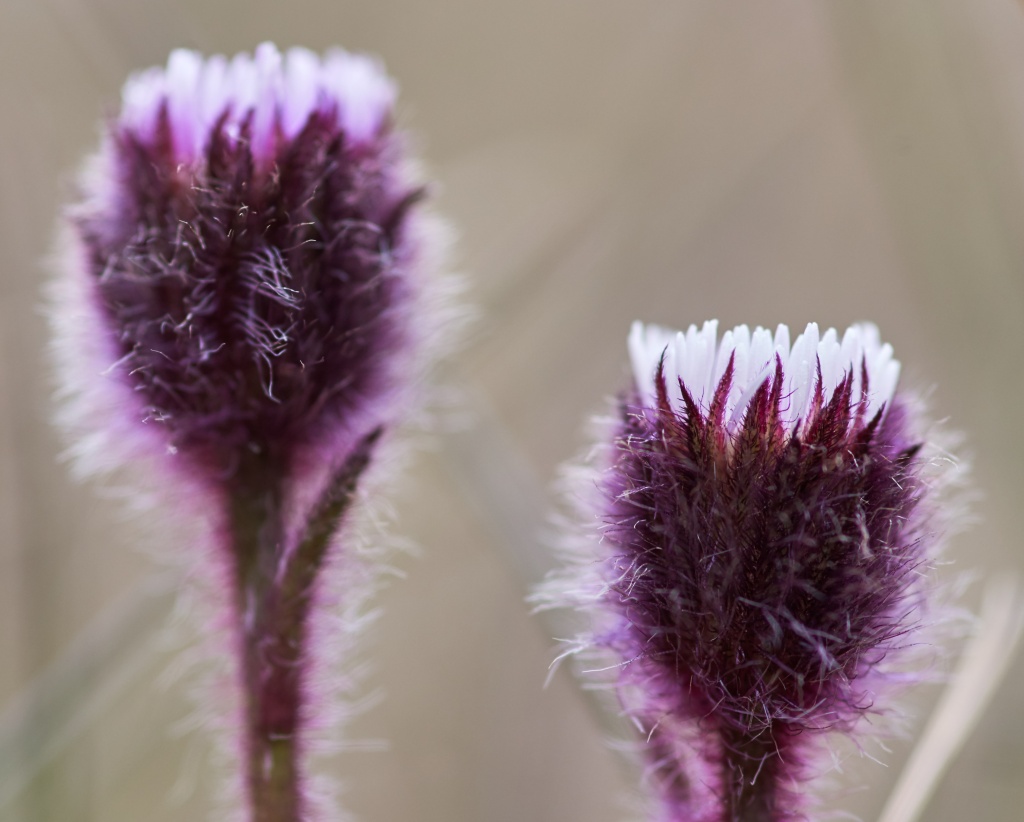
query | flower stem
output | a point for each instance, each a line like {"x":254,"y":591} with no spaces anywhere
{"x":270,"y":658}
{"x":275,"y":585}
{"x":750,"y":778}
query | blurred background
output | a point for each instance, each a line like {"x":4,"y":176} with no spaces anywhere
{"x":602,"y":161}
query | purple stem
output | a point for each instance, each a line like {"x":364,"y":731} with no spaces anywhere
{"x":751,"y":771}
{"x":273,"y":606}
{"x":748,"y":775}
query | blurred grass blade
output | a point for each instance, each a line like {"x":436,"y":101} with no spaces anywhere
{"x":98,"y":667}
{"x":982,"y":667}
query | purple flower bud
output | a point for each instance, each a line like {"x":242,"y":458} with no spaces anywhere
{"x":248,"y":299}
{"x":761,"y":554}
{"x":248,"y":238}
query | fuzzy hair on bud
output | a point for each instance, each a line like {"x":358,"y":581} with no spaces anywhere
{"x":758,"y":556}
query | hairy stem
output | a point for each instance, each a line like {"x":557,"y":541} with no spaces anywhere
{"x":275,"y":584}
{"x":270,"y":674}
{"x":751,"y":768}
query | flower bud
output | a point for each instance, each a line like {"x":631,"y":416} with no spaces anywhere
{"x":762,"y":543}
{"x":247,"y":243}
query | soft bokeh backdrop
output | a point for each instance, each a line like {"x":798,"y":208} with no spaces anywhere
{"x":603,"y":161}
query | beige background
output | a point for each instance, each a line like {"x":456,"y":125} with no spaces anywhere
{"x":603,"y":160}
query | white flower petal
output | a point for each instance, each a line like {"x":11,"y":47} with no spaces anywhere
{"x":760,"y":365}
{"x":833,"y":368}
{"x":270,"y":84}
{"x":183,"y":72}
{"x":141,"y":99}
{"x":699,"y":360}
{"x":801,"y":374}
{"x":302,"y":89}
{"x":364,"y":93}
{"x":213,"y":91}
{"x":277,"y":93}
{"x":242,"y":81}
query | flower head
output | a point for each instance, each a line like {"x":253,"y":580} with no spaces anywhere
{"x":762,"y":543}
{"x":248,"y":239}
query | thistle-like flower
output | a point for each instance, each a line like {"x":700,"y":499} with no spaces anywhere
{"x":762,"y":536}
{"x":246,"y":303}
